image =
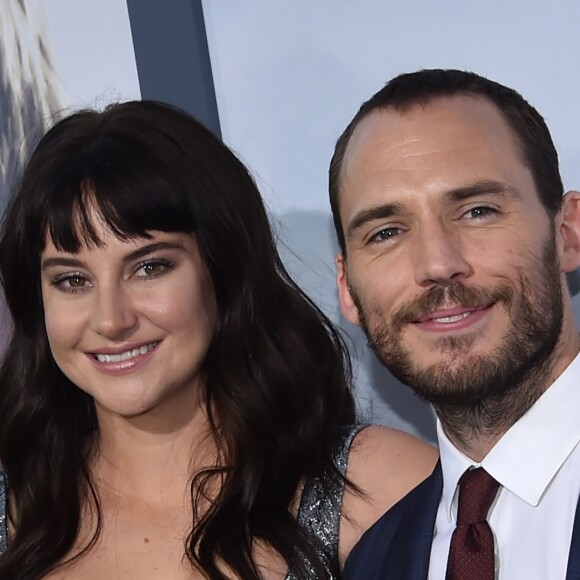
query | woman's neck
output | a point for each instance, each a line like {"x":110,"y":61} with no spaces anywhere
{"x":155,"y":455}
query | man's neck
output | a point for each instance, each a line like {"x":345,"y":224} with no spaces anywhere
{"x":475,"y":430}
{"x":469,"y":433}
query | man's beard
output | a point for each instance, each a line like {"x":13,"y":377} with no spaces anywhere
{"x":485,"y":390}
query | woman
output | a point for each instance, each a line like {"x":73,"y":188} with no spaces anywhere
{"x":172,"y":405}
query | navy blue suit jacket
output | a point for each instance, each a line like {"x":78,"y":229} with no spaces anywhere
{"x":398,"y":546}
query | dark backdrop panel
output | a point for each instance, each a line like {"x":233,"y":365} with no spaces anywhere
{"x":172,"y":56}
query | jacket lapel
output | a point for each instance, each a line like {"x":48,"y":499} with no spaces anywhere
{"x":573,"y":572}
{"x":410,"y":551}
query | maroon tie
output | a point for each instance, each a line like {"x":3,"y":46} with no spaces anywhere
{"x":471,"y":555}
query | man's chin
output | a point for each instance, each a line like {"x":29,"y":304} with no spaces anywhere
{"x":456,"y":363}
{"x":453,"y":349}
{"x":447,"y":379}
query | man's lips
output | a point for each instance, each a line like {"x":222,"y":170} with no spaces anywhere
{"x":452,"y":319}
{"x":451,"y":314}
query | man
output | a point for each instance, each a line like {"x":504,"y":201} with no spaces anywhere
{"x":455,"y":239}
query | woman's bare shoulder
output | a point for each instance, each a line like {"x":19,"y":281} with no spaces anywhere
{"x":384,"y":464}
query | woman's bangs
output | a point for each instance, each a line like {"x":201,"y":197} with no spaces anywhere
{"x":126,"y":187}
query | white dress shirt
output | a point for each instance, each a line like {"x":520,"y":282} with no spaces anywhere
{"x":537,"y":463}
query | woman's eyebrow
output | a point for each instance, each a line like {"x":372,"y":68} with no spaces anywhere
{"x":150,"y":248}
{"x":71,"y":262}
{"x":61,"y":261}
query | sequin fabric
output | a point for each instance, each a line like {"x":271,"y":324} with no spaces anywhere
{"x":320,"y":506}
{"x":3,"y":524}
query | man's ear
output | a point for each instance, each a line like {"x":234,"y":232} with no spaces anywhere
{"x":569,"y":232}
{"x":347,"y":304}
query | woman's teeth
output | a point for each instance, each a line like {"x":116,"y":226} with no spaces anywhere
{"x":113,"y":358}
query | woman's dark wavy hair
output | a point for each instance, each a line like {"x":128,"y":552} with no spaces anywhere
{"x":277,"y":377}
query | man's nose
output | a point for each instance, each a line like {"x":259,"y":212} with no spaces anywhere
{"x":438,"y":255}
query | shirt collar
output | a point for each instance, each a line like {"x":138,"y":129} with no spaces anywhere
{"x":454,"y":463}
{"x":526,"y":459}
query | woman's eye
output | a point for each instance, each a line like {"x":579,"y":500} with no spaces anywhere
{"x":71,"y":282}
{"x":153,"y":268}
{"x":76,"y":281}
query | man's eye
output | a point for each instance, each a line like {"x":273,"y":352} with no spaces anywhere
{"x":479,"y":212}
{"x":385,"y":234}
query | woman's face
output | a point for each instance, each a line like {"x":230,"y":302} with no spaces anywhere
{"x":130,"y":322}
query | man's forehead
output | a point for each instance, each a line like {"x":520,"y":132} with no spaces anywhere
{"x":389,"y":135}
{"x":428,"y":118}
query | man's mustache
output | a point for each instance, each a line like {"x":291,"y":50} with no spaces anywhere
{"x":449,"y":296}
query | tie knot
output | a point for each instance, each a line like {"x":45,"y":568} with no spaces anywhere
{"x":477,"y":490}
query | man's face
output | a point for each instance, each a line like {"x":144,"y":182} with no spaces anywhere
{"x":451,"y":262}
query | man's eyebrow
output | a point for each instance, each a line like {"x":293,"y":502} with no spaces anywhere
{"x":370,"y":214}
{"x":387,"y":210}
{"x":485,"y":187}
{"x":72,"y":262}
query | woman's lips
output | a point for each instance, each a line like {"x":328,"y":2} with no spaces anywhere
{"x":122,"y":361}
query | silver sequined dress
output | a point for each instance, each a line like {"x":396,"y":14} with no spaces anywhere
{"x":320,"y":505}
{"x":319,"y":511}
